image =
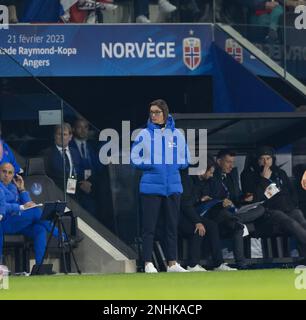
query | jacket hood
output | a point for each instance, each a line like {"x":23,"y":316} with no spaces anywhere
{"x":170,"y":124}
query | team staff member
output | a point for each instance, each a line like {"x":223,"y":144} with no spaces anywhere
{"x":18,"y":212}
{"x":160,"y":185}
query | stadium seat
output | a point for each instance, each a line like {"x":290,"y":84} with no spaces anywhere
{"x":20,"y":247}
{"x":43,"y":189}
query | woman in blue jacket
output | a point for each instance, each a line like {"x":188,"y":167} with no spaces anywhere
{"x":160,"y":151}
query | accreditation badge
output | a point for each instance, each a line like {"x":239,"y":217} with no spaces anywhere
{"x":71,"y":185}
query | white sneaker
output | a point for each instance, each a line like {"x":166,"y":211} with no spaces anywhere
{"x":196,"y":268}
{"x":142,"y":19}
{"x":176,"y":268}
{"x":224,"y":267}
{"x":149,"y":268}
{"x":108,"y":6}
{"x":165,"y":6}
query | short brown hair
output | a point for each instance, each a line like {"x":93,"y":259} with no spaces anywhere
{"x":162,"y":105}
{"x":65,"y":125}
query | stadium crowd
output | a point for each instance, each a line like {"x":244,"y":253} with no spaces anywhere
{"x":260,"y":21}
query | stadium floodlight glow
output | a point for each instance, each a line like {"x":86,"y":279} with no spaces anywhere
{"x":170,"y":147}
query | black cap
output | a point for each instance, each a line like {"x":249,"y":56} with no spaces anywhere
{"x":265,"y":151}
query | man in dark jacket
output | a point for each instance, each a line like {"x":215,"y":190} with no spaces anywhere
{"x":68,"y":173}
{"x":281,"y":207}
{"x":197,"y":228}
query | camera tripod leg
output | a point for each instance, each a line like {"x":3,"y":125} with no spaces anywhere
{"x":70,"y":248}
{"x":47,"y":246}
{"x":61,"y":243}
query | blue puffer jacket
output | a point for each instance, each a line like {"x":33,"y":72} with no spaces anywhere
{"x":160,"y":155}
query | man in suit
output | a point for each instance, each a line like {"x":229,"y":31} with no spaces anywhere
{"x":85,"y":151}
{"x":64,"y":166}
{"x":19,"y":214}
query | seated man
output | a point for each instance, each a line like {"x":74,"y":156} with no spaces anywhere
{"x":18,"y":213}
{"x":269,"y":183}
{"x":197,"y":228}
{"x":73,"y":174}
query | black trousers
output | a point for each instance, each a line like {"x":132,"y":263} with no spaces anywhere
{"x":195,"y":241}
{"x":293,"y":223}
{"x":169,"y":208}
{"x":251,"y":215}
{"x":230,"y":227}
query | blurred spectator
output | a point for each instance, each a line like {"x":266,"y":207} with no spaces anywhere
{"x":141,"y":8}
{"x":45,"y":10}
{"x":266,"y":14}
{"x":88,"y":11}
{"x":189,"y":11}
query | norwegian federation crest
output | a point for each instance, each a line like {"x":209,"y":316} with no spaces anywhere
{"x":192,"y":52}
{"x":234,"y":49}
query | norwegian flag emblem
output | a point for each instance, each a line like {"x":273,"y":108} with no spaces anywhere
{"x":192,"y":52}
{"x":234,"y":49}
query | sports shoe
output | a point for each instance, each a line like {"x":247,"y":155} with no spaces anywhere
{"x":165,"y":6}
{"x":108,"y":6}
{"x":65,"y":17}
{"x":149,"y":268}
{"x":196,"y":268}
{"x":142,"y":19}
{"x":89,"y":5}
{"x":176,"y":268}
{"x":224,"y":267}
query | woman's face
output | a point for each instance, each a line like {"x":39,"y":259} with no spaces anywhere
{"x":156,"y":115}
{"x":265,"y":161}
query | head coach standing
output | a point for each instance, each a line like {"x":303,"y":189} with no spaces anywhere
{"x":160,"y":151}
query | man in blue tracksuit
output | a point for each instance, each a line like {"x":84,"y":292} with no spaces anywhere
{"x":160,"y":151}
{"x":18,"y":214}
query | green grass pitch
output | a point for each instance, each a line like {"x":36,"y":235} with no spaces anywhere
{"x":255,"y":284}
